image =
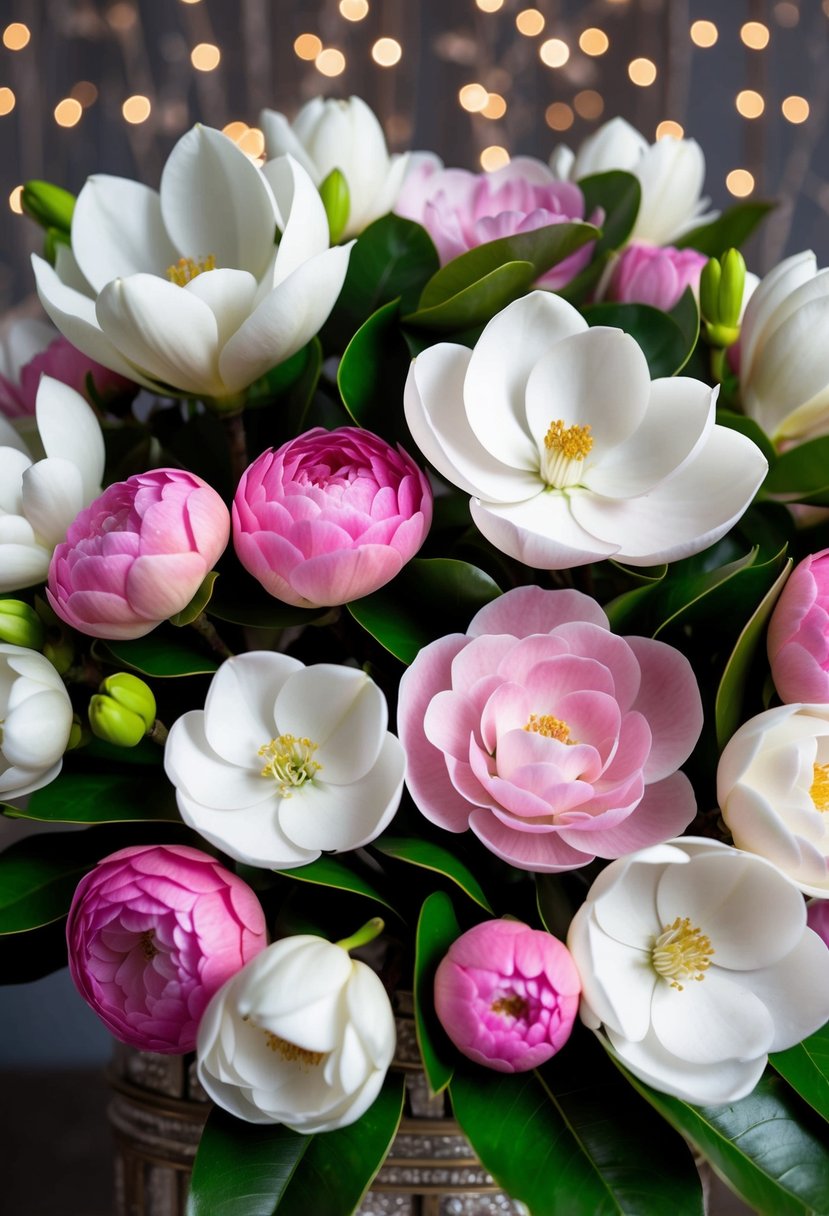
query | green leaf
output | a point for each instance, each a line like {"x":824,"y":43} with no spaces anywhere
{"x":763,"y":1146}
{"x":686,"y":315}
{"x":372,"y":373}
{"x":437,"y":929}
{"x":279,"y":404}
{"x":751,"y":429}
{"x":241,"y":600}
{"x":478,"y":302}
{"x":331,"y":872}
{"x":197,"y":604}
{"x":718,"y":593}
{"x":100,"y":797}
{"x":159,"y":655}
{"x":433,"y":857}
{"x":572,"y":1141}
{"x":619,"y":195}
{"x":802,"y":473}
{"x":432,"y":596}
{"x":338,"y":1167}
{"x":806,"y":1068}
{"x":729,"y":231}
{"x":393,"y":259}
{"x":729,"y":701}
{"x":243,"y":1169}
{"x":664,"y":342}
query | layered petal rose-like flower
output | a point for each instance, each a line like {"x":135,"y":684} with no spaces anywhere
{"x":196,"y":299}
{"x":570,"y":452}
{"x":551,"y":738}
{"x":330,"y":134}
{"x":286,"y":761}
{"x":39,"y":499}
{"x":671,"y":173}
{"x":35,"y":721}
{"x":507,"y":995}
{"x":696,"y":962}
{"x":330,"y":516}
{"x":153,"y":932}
{"x":303,"y":1035}
{"x":773,"y":790}
{"x":138,"y":554}
{"x":784,"y":356}
{"x":648,"y":274}
{"x":461,"y":210}
{"x":798,"y":634}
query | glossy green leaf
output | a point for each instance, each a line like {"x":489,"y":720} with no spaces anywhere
{"x":197,"y":604}
{"x":685,"y":313}
{"x":436,"y":858}
{"x":437,"y":928}
{"x":765,"y":1146}
{"x":243,"y":1169}
{"x":729,"y":701}
{"x":478,"y":302}
{"x":619,"y":196}
{"x":338,"y":1167}
{"x":572,"y":1141}
{"x":159,"y":655}
{"x":103,"y":797}
{"x":393,"y":259}
{"x":806,"y":1068}
{"x":728,"y":231}
{"x":802,"y":473}
{"x":372,"y":373}
{"x":731,"y":589}
{"x":432,"y":596}
{"x":663,"y":341}
{"x":241,"y":600}
{"x":331,"y":872}
{"x":279,"y":404}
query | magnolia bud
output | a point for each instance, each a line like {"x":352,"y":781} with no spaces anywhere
{"x":20,"y":625}
{"x":337,"y":202}
{"x":132,"y":694}
{"x":115,"y":724}
{"x":50,"y":206}
{"x":721,"y":290}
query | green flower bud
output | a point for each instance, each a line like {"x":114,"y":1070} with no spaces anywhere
{"x":732,"y":287}
{"x":54,"y":238}
{"x":337,"y":202}
{"x":77,"y":734}
{"x":20,"y":625}
{"x":60,"y":651}
{"x":50,"y":206}
{"x":115,"y":723}
{"x":132,"y":694}
{"x":721,"y":289}
{"x":709,"y":289}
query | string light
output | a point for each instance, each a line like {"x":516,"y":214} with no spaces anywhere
{"x":473,"y":97}
{"x":68,"y":112}
{"x":7,"y":100}
{"x":307,"y":46}
{"x":559,"y":116}
{"x":235,"y":130}
{"x":668,"y":129}
{"x":530,"y":21}
{"x":739,"y":182}
{"x":554,"y":53}
{"x":85,"y":92}
{"x":354,"y":10}
{"x":704,"y":33}
{"x":496,"y":107}
{"x":642,"y":72}
{"x":588,"y":103}
{"x":16,"y":200}
{"x":755,"y":35}
{"x":205,"y":57}
{"x":494,"y":157}
{"x":330,"y":62}
{"x":749,"y":103}
{"x":16,"y":36}
{"x":795,"y":109}
{"x":136,"y":109}
{"x":386,"y":52}
{"x":190,"y":1}
{"x":594,"y":41}
{"x":252,"y":142}
{"x":489,"y":6}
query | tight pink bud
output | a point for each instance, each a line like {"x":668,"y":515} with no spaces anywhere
{"x":798,"y":637}
{"x":648,"y":274}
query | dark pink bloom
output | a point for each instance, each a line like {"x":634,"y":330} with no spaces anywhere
{"x":798,"y":636}
{"x":60,"y":360}
{"x":550,"y":737}
{"x":461,"y":210}
{"x":153,"y":932}
{"x":817,"y":918}
{"x":138,"y":554}
{"x":330,"y":516}
{"x":650,"y":274}
{"x":507,"y":995}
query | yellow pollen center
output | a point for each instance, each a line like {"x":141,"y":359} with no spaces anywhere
{"x":513,"y":1005}
{"x":573,"y":442}
{"x":681,"y":952}
{"x":289,"y":762}
{"x":549,"y":727}
{"x":185,"y":269}
{"x":292,"y":1053}
{"x":148,"y":946}
{"x":819,"y":789}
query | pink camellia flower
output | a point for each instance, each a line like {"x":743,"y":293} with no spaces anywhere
{"x":551,"y":738}
{"x":138,"y":554}
{"x":461,"y":210}
{"x":798,"y":635}
{"x":648,"y":274}
{"x":32,"y":349}
{"x":153,"y":932}
{"x":507,"y":995}
{"x":330,"y":516}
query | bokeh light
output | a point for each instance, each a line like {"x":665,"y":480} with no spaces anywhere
{"x":755,"y":35}
{"x":307,"y":46}
{"x":205,"y":57}
{"x":588,"y":104}
{"x":68,"y":112}
{"x":530,"y":21}
{"x":594,"y":41}
{"x":136,"y":109}
{"x":559,"y":116}
{"x":16,"y":200}
{"x":386,"y":52}
{"x":739,"y":182}
{"x":554,"y":53}
{"x":704,"y":33}
{"x":473,"y":97}
{"x":668,"y":129}
{"x":642,"y":72}
{"x":16,"y":36}
{"x":7,"y":100}
{"x":494,"y":157}
{"x":330,"y":62}
{"x":354,"y":10}
{"x":795,"y":109}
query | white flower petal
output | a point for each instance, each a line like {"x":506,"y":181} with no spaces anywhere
{"x":280,"y":140}
{"x":104,"y":245}
{"x":251,"y":835}
{"x":788,"y":392}
{"x":795,"y":990}
{"x":53,"y":494}
{"x":340,"y":709}
{"x":13,"y":464}
{"x":725,"y":1081}
{"x":229,"y":294}
{"x":68,"y":428}
{"x":239,"y":708}
{"x":36,"y":732}
{"x":10,"y":437}
{"x":305,"y":230}
{"x":22,"y":564}
{"x":20,"y":342}
{"x":771,"y":303}
{"x":201,"y":775}
{"x":617,"y":980}
{"x":543,"y":532}
{"x":711,"y":1020}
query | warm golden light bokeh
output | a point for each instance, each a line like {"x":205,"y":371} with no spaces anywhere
{"x":786,"y":14}
{"x":559,"y":116}
{"x":68,"y":112}
{"x":530,"y":21}
{"x":85,"y":92}
{"x":235,"y":130}
{"x":749,"y":103}
{"x":354,"y":10}
{"x":594,"y":41}
{"x":7,"y":100}
{"x":496,"y":106}
{"x":489,"y":6}
{"x":642,"y":72}
{"x":588,"y":104}
{"x":330,"y":62}
{"x":668,"y":129}
{"x":795,"y":109}
{"x":136,"y":109}
{"x":494,"y":157}
{"x":16,"y":36}
{"x":554,"y":53}
{"x":16,"y":200}
{"x":755,"y":35}
{"x":473,"y":97}
{"x":739,"y":182}
{"x":205,"y":57}
{"x":252,"y":142}
{"x":704,"y":33}
{"x":386,"y":52}
{"x":307,"y":46}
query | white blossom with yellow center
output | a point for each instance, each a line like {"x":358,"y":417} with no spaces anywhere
{"x":570,"y":452}
{"x":696,"y":962}
{"x":286,"y":761}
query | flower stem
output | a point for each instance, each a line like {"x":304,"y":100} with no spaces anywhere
{"x":158,"y":733}
{"x":204,"y":626}
{"x":237,"y":445}
{"x":371,"y":929}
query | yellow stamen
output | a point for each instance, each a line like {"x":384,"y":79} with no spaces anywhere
{"x":292,"y":1053}
{"x":514,"y":1005}
{"x":185,"y":269}
{"x":681,"y":952}
{"x":148,"y":946}
{"x":290,"y":762}
{"x":819,"y":789}
{"x":549,"y":727}
{"x":573,"y":442}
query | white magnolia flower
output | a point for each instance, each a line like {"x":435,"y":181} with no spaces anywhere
{"x":671,"y":173}
{"x":570,"y":452}
{"x":35,"y":721}
{"x":286,"y":761}
{"x":773,"y":789}
{"x":344,"y":135}
{"x":302,"y":1035}
{"x":186,"y":289}
{"x":696,"y":962}
{"x":39,"y":499}
{"x":784,"y":351}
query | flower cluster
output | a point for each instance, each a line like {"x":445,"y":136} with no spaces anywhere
{"x":414,"y":587}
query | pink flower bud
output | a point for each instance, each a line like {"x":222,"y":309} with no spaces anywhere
{"x":817,"y":918}
{"x":138,"y":554}
{"x":153,"y":932}
{"x":330,"y":516}
{"x":62,"y":361}
{"x":648,"y":274}
{"x":507,"y":995}
{"x":798,"y":636}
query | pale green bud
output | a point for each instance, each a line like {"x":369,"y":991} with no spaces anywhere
{"x":721,"y":289}
{"x":337,"y":202}
{"x":51,"y":206}
{"x":20,"y":625}
{"x":732,"y":287}
{"x":114,"y":723}
{"x":132,"y":694}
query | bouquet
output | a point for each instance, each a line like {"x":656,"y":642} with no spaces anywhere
{"x":418,"y":580}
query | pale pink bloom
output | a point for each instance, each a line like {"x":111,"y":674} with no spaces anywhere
{"x":507,"y":995}
{"x":461,"y":210}
{"x":37,"y":350}
{"x":550,"y":737}
{"x":817,"y":918}
{"x":648,"y":274}
{"x":153,"y":932}
{"x":330,"y":516}
{"x":798,"y":636}
{"x":138,"y":554}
